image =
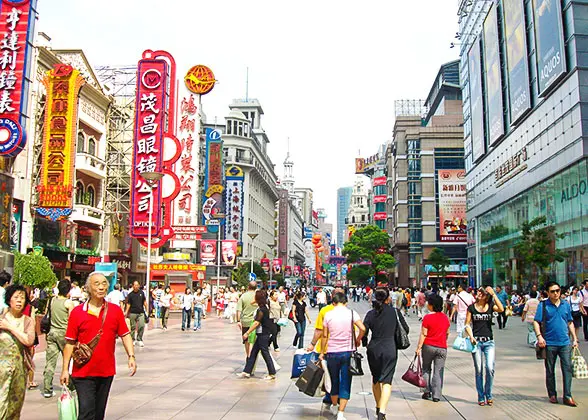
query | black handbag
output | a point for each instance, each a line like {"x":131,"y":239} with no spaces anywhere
{"x":541,"y":352}
{"x":310,"y":379}
{"x":355,"y":368}
{"x":400,"y":335}
{"x":45,"y":326}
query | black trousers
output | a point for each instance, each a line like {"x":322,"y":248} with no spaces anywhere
{"x":92,"y":396}
{"x":502,"y":320}
{"x":261,"y":345}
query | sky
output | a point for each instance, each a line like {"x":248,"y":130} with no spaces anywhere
{"x":326,"y":72}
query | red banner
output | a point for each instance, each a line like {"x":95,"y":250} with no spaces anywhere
{"x":277,"y":265}
{"x":208,"y":252}
{"x":229,"y":252}
{"x":380,"y":216}
{"x":17,"y":22}
{"x":379,"y":199}
{"x":381,"y":180}
{"x":265,"y":264}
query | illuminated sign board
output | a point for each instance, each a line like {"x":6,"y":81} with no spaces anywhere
{"x":452,"y":205}
{"x":493,"y":78}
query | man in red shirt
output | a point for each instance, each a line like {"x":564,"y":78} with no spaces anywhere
{"x":93,"y":380}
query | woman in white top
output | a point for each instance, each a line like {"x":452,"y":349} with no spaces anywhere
{"x":165,"y":303}
{"x":575,"y":301}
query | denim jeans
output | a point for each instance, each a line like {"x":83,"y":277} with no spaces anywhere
{"x":197,"y":317}
{"x":338,"y":365}
{"x":565,"y":361}
{"x":299,"y":337}
{"x":186,"y":318}
{"x":488,"y":349}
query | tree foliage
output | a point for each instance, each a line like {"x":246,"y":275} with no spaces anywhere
{"x":241,"y":273}
{"x":33,"y":270}
{"x":439,"y":261}
{"x":368,"y":245}
{"x":536,"y":249}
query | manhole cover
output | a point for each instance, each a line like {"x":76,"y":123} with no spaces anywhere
{"x":364,"y":393}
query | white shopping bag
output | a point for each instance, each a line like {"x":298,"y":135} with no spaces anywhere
{"x":326,"y":377}
{"x":276,"y":365}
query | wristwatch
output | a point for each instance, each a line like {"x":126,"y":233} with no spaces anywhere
{"x":132,"y":355}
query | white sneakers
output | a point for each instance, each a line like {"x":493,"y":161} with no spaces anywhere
{"x":141,"y":344}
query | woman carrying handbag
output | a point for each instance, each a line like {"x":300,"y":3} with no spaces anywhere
{"x":433,"y":346}
{"x":382,"y":350}
{"x":338,"y":340}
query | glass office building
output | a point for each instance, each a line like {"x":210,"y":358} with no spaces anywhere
{"x":343,"y":202}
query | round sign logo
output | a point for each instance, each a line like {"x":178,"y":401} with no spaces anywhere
{"x":151,"y":79}
{"x":200,"y":79}
{"x":12,"y":139}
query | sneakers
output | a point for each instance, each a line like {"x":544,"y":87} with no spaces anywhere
{"x":134,"y":342}
{"x":49,"y":394}
{"x":335,"y":409}
{"x":243,"y":375}
{"x":141,"y":344}
{"x":269,"y":377}
{"x":340,"y":416}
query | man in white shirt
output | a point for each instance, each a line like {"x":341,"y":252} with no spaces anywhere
{"x":282,"y":300}
{"x":321,"y":298}
{"x":75,"y":293}
{"x":462,"y":301}
{"x":116,"y":296}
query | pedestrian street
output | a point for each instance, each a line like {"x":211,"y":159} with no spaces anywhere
{"x":191,"y":375}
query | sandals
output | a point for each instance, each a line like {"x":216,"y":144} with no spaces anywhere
{"x":490,"y":402}
{"x":481,"y":403}
{"x":33,"y":386}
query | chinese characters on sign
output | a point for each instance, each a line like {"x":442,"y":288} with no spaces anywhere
{"x":452,"y":205}
{"x":513,"y":166}
{"x":234,"y":204}
{"x":283,"y":208}
{"x":148,"y":145}
{"x":177,"y":267}
{"x":17,"y":19}
{"x":55,"y":190}
{"x":213,"y":182}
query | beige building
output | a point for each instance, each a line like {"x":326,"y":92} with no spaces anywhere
{"x":423,"y":145}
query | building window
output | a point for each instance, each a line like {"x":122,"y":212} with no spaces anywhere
{"x":81,"y":143}
{"x":90,"y":196}
{"x":92,"y":146}
{"x":79,"y":193}
{"x":228,"y":127}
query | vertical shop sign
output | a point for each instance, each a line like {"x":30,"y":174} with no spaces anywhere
{"x":551,"y":58}
{"x":17,"y":27}
{"x":476,"y":101}
{"x":229,"y":252}
{"x":213,"y":181}
{"x":55,"y":189}
{"x":493,"y":77}
{"x":283,"y":208}
{"x":516,"y":58}
{"x":148,"y":145}
{"x":452,"y":205}
{"x":6,"y":192}
{"x":234,"y":203}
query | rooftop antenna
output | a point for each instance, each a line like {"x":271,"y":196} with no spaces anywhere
{"x":247,"y":86}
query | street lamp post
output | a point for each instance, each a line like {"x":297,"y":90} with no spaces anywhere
{"x":271,"y":246}
{"x":152,"y":178}
{"x":252,"y":236}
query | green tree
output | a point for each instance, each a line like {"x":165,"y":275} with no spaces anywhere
{"x":368,"y":245}
{"x":439,"y":261}
{"x":241,"y":273}
{"x":33,"y":270}
{"x":536,"y":249}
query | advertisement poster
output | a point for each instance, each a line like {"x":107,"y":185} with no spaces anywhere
{"x":476,"y":103}
{"x":229,"y":252}
{"x":16,"y":225}
{"x":287,"y":272}
{"x":551,"y":61}
{"x":516,"y":59}
{"x":110,"y":271}
{"x":208,"y":252}
{"x":452,"y":205}
{"x":277,"y":265}
{"x":493,"y":80}
{"x":381,"y":180}
{"x":265,"y":264}
{"x":309,"y":256}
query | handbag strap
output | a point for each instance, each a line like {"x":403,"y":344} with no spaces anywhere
{"x":543,"y":319}
{"x":94,"y":342}
{"x":50,"y":305}
{"x":352,"y":332}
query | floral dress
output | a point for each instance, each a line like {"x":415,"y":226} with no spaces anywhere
{"x":13,"y":371}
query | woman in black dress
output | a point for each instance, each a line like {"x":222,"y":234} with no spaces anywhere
{"x":382,"y":353}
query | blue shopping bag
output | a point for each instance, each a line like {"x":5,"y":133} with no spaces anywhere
{"x":462,"y":343}
{"x":301,"y":360}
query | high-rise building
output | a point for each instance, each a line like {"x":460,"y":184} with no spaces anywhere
{"x":343,"y":203}
{"x":525,"y":112}
{"x":426,"y":188}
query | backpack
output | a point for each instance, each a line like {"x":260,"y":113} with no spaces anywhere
{"x":404,"y":300}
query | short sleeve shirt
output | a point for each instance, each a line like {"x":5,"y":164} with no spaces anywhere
{"x":556,"y":325}
{"x":319,"y":324}
{"x":338,"y":321}
{"x":437,"y":325}
{"x":83,"y":326}
{"x":482,"y":321}
{"x":136,"y":301}
{"x":531,"y":309}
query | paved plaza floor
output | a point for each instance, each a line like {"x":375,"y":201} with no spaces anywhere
{"x":191,"y":375}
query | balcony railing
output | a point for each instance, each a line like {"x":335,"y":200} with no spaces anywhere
{"x":88,"y":163}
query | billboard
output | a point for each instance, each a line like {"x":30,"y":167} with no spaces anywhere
{"x":363,"y":165}
{"x":213,"y":179}
{"x":208,"y":252}
{"x":379,"y":199}
{"x":493,"y":77}
{"x":516,"y":58}
{"x":551,"y":62}
{"x":381,"y":180}
{"x":56,"y":186}
{"x":277,"y":265}
{"x":229,"y":252}
{"x":476,"y":102}
{"x":378,"y":216}
{"x":234,"y":203}
{"x":451,"y":188}
{"x":283,"y":210}
{"x":17,"y":28}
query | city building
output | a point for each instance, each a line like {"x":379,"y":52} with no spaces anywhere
{"x":525,"y":144}
{"x":343,"y":203}
{"x":305,"y":205}
{"x":374,"y":167}
{"x":358,"y":215}
{"x":426,"y":183}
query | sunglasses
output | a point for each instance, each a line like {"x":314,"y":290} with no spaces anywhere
{"x":555,"y":291}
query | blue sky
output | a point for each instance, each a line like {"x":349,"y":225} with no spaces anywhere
{"x":326,"y":72}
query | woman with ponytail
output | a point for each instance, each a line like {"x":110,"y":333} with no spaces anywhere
{"x":382,"y":353}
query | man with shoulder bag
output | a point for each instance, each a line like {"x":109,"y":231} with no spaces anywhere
{"x":91,"y":335}
{"x":553,"y":326}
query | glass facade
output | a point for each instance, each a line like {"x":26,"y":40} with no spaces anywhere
{"x":563,"y":200}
